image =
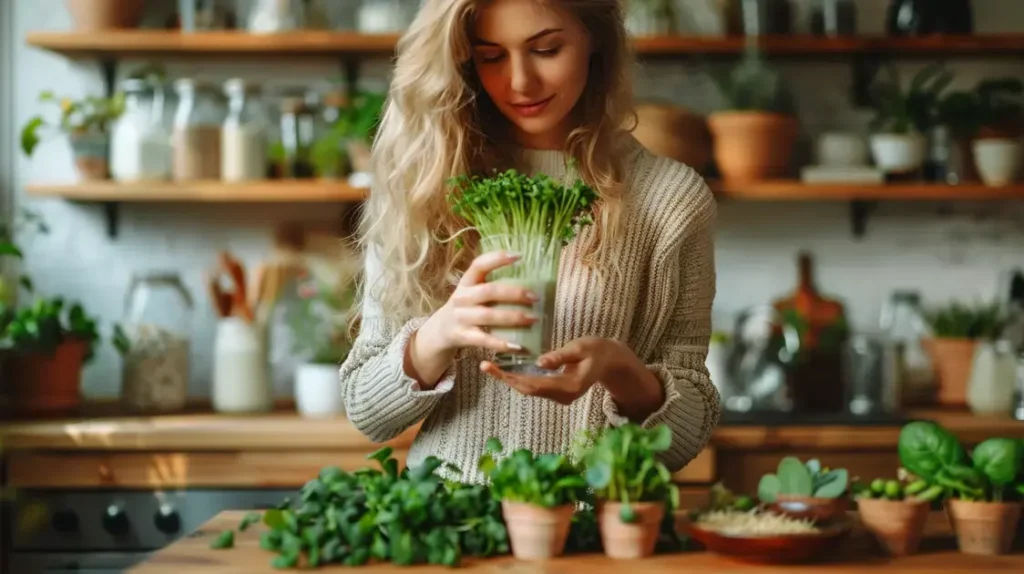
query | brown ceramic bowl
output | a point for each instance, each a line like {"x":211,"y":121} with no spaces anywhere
{"x":816,"y":509}
{"x":778,"y":549}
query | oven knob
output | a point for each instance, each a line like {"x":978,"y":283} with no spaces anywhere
{"x":115,"y":521}
{"x":167,"y":520}
{"x":64,"y":521}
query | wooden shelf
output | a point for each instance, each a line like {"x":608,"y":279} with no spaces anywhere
{"x":315,"y":42}
{"x":795,"y":190}
{"x":273,"y":191}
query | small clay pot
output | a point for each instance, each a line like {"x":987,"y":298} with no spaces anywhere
{"x":627,"y":541}
{"x":984,"y":528}
{"x":90,"y":150}
{"x":898,"y":525}
{"x":535,"y":532}
{"x":39,"y":384}
{"x":753,"y":145}
{"x":953,"y":359}
{"x":99,"y":15}
{"x":817,"y":509}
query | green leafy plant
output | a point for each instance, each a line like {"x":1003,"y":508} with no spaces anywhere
{"x":753,"y":85}
{"x":317,"y":321}
{"x":532,"y":216}
{"x":621,"y":465}
{"x":994,"y":104}
{"x":797,"y":478}
{"x":546,"y":480}
{"x":960,"y":321}
{"x":357,"y":122}
{"x":91,"y":114}
{"x":893,"y":489}
{"x":27,"y":221}
{"x":914,"y":110}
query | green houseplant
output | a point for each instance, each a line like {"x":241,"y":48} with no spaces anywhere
{"x":903,"y":117}
{"x":86,"y":122}
{"x":956,"y":331}
{"x":538,"y":494}
{"x":534,"y":216}
{"x":896,"y":512}
{"x":346,"y":144}
{"x":756,"y":130}
{"x":633,"y":490}
{"x":805,"y":489}
{"x":984,"y":489}
{"x":986,"y":122}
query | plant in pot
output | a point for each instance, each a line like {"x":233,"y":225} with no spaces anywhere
{"x":538,"y":495}
{"x":98,"y":15}
{"x":87,"y":123}
{"x":895,"y":511}
{"x":983,"y":491}
{"x":754,"y":135}
{"x":902,"y":118}
{"x":651,"y":17}
{"x":996,"y":147}
{"x":346,"y":144}
{"x":805,"y":490}
{"x":956,"y":329}
{"x":534,"y":216}
{"x":633,"y":490}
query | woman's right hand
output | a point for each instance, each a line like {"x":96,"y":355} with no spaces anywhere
{"x":462,"y":321}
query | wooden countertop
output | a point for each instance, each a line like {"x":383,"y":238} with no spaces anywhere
{"x":857,"y":555}
{"x":285,"y":430}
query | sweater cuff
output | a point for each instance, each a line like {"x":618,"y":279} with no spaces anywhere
{"x":411,"y":386}
{"x":683,"y":407}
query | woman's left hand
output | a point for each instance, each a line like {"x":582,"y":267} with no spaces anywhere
{"x":584,"y":361}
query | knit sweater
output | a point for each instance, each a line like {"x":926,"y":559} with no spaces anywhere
{"x":659,"y":304}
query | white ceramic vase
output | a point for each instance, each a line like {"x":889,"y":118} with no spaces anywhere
{"x":998,"y":160}
{"x":898,"y":153}
{"x":318,"y":390}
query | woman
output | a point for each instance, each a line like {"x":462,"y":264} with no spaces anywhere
{"x":529,"y":84}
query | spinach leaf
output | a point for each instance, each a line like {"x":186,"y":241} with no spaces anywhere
{"x":925,"y":447}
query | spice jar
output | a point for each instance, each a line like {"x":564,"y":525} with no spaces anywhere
{"x":243,"y":152}
{"x":196,"y":133}
{"x":298,"y":132}
{"x":241,"y":368}
{"x":139,"y":144}
{"x":155,"y":343}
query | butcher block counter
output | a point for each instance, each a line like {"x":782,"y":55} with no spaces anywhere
{"x":281,"y":449}
{"x":858,"y":554}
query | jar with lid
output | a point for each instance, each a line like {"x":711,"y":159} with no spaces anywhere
{"x":139,"y":144}
{"x":241,"y":367}
{"x":904,"y":324}
{"x":298,"y":133}
{"x":154,"y":341}
{"x":196,"y":132}
{"x":243,"y":152}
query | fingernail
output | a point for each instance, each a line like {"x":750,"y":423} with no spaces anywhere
{"x":512,"y":256}
{"x":514,"y":346}
{"x":532,"y":296}
{"x":530,"y":316}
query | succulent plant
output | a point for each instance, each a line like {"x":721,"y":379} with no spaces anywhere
{"x":797,"y":478}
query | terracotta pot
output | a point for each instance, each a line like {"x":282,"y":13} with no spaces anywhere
{"x":90,"y":151}
{"x":818,"y":509}
{"x":751,"y":146}
{"x":984,"y":528}
{"x":627,"y":541}
{"x":952,"y":359}
{"x":534,"y":532}
{"x":96,"y":15}
{"x":674,"y":132}
{"x":39,"y":384}
{"x":898,"y":525}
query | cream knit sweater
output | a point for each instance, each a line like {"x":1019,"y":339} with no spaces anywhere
{"x":660,"y":305}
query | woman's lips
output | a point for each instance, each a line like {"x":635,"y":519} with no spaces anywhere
{"x":532,"y":109}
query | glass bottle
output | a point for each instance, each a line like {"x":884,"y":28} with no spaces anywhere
{"x":834,"y":18}
{"x":904,"y":324}
{"x":154,"y":340}
{"x":140,"y":146}
{"x":298,"y":131}
{"x":196,"y":132}
{"x":243,"y":152}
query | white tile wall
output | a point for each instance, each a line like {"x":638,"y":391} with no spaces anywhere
{"x":906,"y":245}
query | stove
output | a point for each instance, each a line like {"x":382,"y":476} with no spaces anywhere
{"x":107,"y":532}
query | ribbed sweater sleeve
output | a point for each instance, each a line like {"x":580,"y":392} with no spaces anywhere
{"x":691,"y":407}
{"x":381,"y":400}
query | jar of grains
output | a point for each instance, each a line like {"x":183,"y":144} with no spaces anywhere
{"x":196,"y":132}
{"x":155,"y":343}
{"x":243,"y":152}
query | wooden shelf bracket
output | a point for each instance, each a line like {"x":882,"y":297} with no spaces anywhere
{"x":111,"y":210}
{"x":859,"y":212}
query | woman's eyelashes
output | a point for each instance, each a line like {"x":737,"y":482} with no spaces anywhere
{"x":492,"y":57}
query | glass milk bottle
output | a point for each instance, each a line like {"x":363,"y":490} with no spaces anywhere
{"x":241,"y":367}
{"x":140,"y":146}
{"x":196,"y":133}
{"x":243,"y":152}
{"x":155,"y":343}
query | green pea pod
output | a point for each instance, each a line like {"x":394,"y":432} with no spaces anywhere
{"x":916,"y":487}
{"x":929,"y":494}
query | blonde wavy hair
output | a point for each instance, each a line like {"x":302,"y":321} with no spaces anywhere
{"x":432,"y":129}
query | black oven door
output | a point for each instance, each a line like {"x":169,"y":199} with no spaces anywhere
{"x":77,"y":562}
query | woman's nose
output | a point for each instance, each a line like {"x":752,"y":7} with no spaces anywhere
{"x":523,"y":76}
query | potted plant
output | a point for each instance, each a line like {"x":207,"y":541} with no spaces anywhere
{"x":538,"y":494}
{"x":997,"y":147}
{"x":98,"y":15}
{"x":956,"y":329}
{"x":534,"y":217}
{"x":633,"y":490}
{"x":347,"y":142}
{"x":902,"y":118}
{"x":87,"y":123}
{"x":754,"y":135}
{"x":650,"y":17}
{"x":895,"y":512}
{"x":805,"y":490}
{"x":983,"y":490}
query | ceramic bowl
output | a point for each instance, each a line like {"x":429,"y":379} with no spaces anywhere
{"x":777,"y":549}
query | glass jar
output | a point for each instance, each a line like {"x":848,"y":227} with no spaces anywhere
{"x":196,"y":132}
{"x":272,"y":16}
{"x":241,"y":367}
{"x":155,"y":343}
{"x":298,"y":134}
{"x":383,"y":16}
{"x":243,"y":152}
{"x":904,"y":324}
{"x":139,"y":144}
